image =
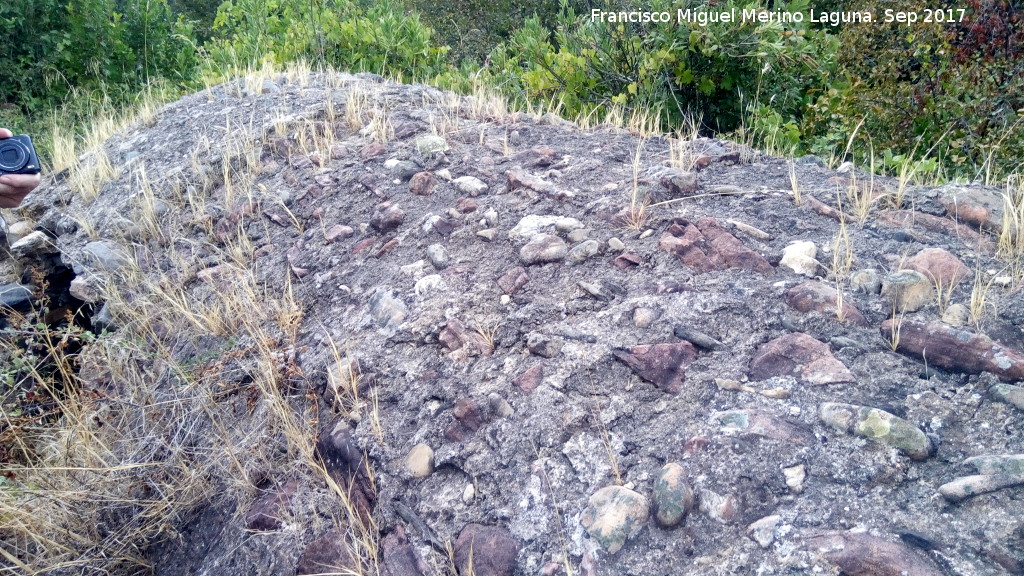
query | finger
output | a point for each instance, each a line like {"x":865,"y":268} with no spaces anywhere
{"x":20,"y":181}
{"x":11,"y":197}
{"x":5,"y":133}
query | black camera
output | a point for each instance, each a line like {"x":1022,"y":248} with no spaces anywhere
{"x":18,"y":156}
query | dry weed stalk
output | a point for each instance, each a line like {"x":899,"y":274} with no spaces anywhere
{"x":637,"y":216}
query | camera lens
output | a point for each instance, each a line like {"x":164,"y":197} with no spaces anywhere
{"x":13,"y":155}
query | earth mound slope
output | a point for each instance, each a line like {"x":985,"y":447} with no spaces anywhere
{"x":353,"y":326}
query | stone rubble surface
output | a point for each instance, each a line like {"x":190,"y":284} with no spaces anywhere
{"x":558,"y":384}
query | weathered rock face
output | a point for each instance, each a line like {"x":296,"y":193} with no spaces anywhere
{"x":801,"y":356}
{"x":430,"y":338}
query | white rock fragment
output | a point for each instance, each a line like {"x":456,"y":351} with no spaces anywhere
{"x":470,"y":185}
{"x":432,"y":282}
{"x":795,"y":476}
{"x":799,"y":257}
{"x":420,"y":461}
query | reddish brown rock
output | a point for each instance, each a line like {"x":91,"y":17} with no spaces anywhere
{"x":538,"y":156}
{"x":938,"y":224}
{"x":812,"y":203}
{"x":272,"y":508}
{"x":941,"y":267}
{"x":764,"y":424}
{"x":518,"y":179}
{"x":707,"y":246}
{"x":372,"y":150}
{"x":422,"y":183}
{"x":467,"y":419}
{"x":861,"y":554}
{"x":813,"y":296}
{"x":512,"y":280}
{"x":386,"y":217}
{"x":398,"y":557}
{"x":801,"y":356}
{"x":337,"y":232}
{"x":727,"y":251}
{"x":980,"y":207}
{"x":529,"y":380}
{"x":953,"y":349}
{"x":695,"y":445}
{"x":328,"y":554}
{"x":685,"y":241}
{"x":458,"y":338}
{"x":387,"y":247}
{"x":363,"y":245}
{"x":627,"y":260}
{"x":663,"y":365}
{"x":466,"y":205}
{"x":444,"y":226}
{"x":485,"y":551}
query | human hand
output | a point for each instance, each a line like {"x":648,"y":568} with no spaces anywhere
{"x":14,"y":187}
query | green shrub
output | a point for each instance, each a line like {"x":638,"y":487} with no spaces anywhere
{"x":718,"y":72}
{"x":338,"y":33}
{"x":51,"y":48}
{"x":956,"y":88}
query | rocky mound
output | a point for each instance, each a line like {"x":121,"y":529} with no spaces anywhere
{"x":361,"y":327}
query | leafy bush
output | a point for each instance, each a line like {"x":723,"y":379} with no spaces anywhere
{"x":339,"y":33}
{"x":678,"y":71}
{"x":51,"y":47}
{"x":472,"y":28}
{"x":958,"y":88}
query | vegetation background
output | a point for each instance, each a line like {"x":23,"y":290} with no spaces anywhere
{"x":945,"y":99}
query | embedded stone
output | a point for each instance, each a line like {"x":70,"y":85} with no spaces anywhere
{"x":270,"y":510}
{"x":438,"y":256}
{"x":762,"y":423}
{"x":582,"y":252}
{"x":337,"y":232}
{"x":763,"y":530}
{"x":861,"y":554}
{"x":543,"y":248}
{"x":1009,"y":464}
{"x":431,"y":144}
{"x":422,"y":183}
{"x":328,"y":554}
{"x":707,"y":246}
{"x":513,"y":280}
{"x":907,"y":290}
{"x":543,"y":345}
{"x":954,"y":349}
{"x":956,"y":315}
{"x":470,"y":185}
{"x":877,"y":425}
{"x":812,"y":296}
{"x":485,"y":551}
{"x":613,"y":515}
{"x":866,"y":281}
{"x":398,"y":556}
{"x":419,"y":462}
{"x":800,"y":356}
{"x":663,"y":365}
{"x":529,"y":380}
{"x":941,"y":267}
{"x":673,"y":497}
{"x":696,"y":338}
{"x":723,"y":509}
{"x":800,"y":256}
{"x":969,"y":486}
{"x":386,"y":217}
{"x":1008,"y":393}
